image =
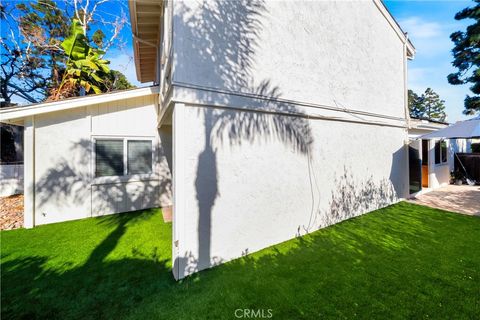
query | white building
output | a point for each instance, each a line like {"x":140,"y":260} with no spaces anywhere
{"x":274,"y":118}
{"x":431,"y":161}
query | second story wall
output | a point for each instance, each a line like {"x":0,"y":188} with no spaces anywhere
{"x":339,"y":54}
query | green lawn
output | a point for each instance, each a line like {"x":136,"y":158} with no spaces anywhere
{"x":404,"y":261}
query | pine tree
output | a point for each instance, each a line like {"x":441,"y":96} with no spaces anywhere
{"x":434,"y":106}
{"x":417,"y":110}
{"x":426,"y":106}
{"x":466,"y":54}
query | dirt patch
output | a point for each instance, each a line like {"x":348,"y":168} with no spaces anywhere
{"x":11,"y":212}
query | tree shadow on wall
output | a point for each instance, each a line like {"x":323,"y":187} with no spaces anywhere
{"x":351,"y":198}
{"x":223,"y":36}
{"x":67,"y":185}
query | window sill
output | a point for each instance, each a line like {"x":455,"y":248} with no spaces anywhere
{"x":125,"y":179}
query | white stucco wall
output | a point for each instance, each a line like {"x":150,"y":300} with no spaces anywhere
{"x":324,"y":52}
{"x":287,"y":116}
{"x":65,"y":186}
{"x":243,"y":189}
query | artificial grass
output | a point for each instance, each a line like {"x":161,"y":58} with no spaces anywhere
{"x":404,"y":261}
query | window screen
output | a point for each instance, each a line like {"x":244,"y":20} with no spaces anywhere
{"x":139,"y":156}
{"x":108,"y":158}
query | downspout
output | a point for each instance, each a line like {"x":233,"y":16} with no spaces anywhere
{"x":405,"y":81}
{"x":407,"y":115}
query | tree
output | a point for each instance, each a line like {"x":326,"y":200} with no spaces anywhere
{"x":427,"y":106}
{"x":29,"y":49}
{"x":117,"y":81}
{"x":84,"y":67}
{"x":33,"y":62}
{"x":466,"y":54}
{"x":417,"y":109}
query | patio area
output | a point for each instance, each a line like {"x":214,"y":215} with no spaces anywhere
{"x":463,"y":199}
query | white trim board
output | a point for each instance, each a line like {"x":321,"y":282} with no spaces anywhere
{"x":14,"y":114}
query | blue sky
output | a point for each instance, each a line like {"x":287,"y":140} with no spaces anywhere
{"x":429,"y":25}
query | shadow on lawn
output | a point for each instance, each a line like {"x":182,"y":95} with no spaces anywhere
{"x":97,"y":289}
{"x":344,"y":269}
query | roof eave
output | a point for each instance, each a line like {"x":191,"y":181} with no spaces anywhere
{"x":145,"y":20}
{"x":15,"y":115}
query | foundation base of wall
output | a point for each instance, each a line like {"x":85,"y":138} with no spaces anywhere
{"x":167,"y":214}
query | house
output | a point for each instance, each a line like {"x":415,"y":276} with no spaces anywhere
{"x":431,"y":161}
{"x":268,"y":120}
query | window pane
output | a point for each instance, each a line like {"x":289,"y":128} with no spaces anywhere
{"x":437,"y":152}
{"x":444,"y":151}
{"x":139,"y":156}
{"x":108,"y":158}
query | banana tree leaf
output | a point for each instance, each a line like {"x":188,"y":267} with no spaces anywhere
{"x":75,"y":45}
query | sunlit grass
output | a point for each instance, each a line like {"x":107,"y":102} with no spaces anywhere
{"x":404,"y":261}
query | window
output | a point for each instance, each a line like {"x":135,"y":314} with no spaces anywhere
{"x":139,"y":156}
{"x":440,"y":152}
{"x":119,"y":157}
{"x":108,"y":158}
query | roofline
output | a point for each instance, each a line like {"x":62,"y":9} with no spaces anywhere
{"x":13,"y":114}
{"x":133,"y":24}
{"x":137,"y":40}
{"x":426,"y":125}
{"x":396,"y":27}
{"x":429,"y":120}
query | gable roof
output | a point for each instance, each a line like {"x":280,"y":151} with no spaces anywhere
{"x":396,"y":27}
{"x":17,"y":113}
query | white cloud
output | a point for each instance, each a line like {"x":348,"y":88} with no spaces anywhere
{"x":420,"y":29}
{"x":123,"y":62}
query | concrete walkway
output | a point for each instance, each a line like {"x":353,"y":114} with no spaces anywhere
{"x":462,"y":199}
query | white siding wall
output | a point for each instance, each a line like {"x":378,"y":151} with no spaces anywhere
{"x":438,"y":174}
{"x":11,"y":179}
{"x":65,"y":186}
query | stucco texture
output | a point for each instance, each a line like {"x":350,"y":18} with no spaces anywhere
{"x":288,"y":116}
{"x":254,"y":180}
{"x":334,"y":53}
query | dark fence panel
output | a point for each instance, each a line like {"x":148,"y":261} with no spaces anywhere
{"x":471,"y":162}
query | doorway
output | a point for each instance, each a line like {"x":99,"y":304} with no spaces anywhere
{"x":415,"y":167}
{"x":425,"y":151}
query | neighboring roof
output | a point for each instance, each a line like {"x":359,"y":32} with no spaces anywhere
{"x":430,"y":120}
{"x":426,"y":124}
{"x":145,"y":18}
{"x":12,"y":114}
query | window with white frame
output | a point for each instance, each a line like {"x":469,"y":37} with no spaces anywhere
{"x":122,"y":156}
{"x":441,"y":152}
